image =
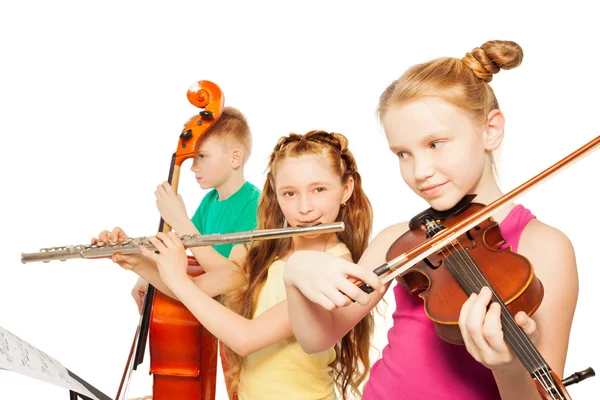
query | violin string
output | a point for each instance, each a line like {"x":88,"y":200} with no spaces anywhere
{"x":515,"y":333}
{"x":518,"y":335}
{"x":514,"y":336}
{"x":510,"y":328}
{"x":511,"y":331}
{"x":521,"y":337}
{"x":527,"y":360}
{"x":476,"y":287}
{"x":477,"y":283}
{"x":473,"y":287}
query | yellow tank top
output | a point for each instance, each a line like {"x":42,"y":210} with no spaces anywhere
{"x":283,"y":371}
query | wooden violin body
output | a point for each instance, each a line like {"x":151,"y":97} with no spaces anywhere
{"x":475,"y":259}
{"x":445,"y":279}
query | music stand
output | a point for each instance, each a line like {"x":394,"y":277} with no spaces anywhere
{"x":19,"y":356}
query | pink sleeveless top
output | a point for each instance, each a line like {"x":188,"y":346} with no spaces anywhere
{"x":417,"y":365}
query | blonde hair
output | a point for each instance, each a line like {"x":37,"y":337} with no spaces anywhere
{"x":233,"y":129}
{"x":461,"y":82}
{"x":351,"y":366}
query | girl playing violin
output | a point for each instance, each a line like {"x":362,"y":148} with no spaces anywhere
{"x":443,"y":121}
{"x":311,"y":179}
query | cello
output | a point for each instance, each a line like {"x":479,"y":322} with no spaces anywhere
{"x":183,"y":354}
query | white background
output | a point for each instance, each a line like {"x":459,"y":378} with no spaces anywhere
{"x":93,"y":98}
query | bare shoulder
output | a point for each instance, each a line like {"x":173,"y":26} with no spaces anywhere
{"x":544,"y":242}
{"x":553,"y":259}
{"x":375,"y":253}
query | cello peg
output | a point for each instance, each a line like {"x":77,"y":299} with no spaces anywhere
{"x":186,"y":134}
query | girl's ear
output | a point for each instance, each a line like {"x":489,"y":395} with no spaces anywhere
{"x":237,"y":158}
{"x":493,"y":130}
{"x":348,"y":189}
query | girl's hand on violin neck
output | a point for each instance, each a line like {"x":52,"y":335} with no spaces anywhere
{"x":323,"y":279}
{"x":170,"y":205}
{"x":171,"y":259}
{"x":130,"y":262}
{"x":483,"y":336}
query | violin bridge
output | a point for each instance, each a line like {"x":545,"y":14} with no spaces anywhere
{"x":431,"y":227}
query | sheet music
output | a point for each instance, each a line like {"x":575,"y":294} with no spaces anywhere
{"x":19,"y":356}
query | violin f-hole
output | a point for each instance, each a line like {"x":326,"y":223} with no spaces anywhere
{"x":430,"y":265}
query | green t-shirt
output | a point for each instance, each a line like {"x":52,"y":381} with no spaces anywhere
{"x":237,"y":213}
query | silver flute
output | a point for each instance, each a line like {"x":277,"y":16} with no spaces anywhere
{"x":131,"y":245}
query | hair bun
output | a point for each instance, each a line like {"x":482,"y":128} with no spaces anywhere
{"x":493,"y":56}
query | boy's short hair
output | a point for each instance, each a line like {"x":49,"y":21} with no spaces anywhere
{"x":232,"y":127}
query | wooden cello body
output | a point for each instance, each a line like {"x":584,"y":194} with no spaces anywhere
{"x":183,"y":354}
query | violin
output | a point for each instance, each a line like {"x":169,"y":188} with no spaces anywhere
{"x":476,"y":259}
{"x":183,"y":354}
{"x":446,"y":256}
